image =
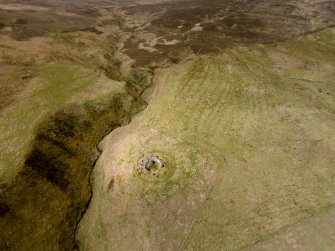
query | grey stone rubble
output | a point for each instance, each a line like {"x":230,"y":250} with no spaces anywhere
{"x":148,"y":161}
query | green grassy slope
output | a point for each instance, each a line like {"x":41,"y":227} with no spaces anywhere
{"x":58,"y":84}
{"x":248,"y":136}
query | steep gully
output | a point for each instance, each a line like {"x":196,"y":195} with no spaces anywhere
{"x":42,"y":207}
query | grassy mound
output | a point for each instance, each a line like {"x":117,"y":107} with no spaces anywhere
{"x":248,"y":139}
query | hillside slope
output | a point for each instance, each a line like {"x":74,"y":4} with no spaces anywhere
{"x":248,"y":139}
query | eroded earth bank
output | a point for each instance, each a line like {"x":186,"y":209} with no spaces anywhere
{"x":235,"y":97}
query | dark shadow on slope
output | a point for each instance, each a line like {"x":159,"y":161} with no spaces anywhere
{"x":41,"y":208}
